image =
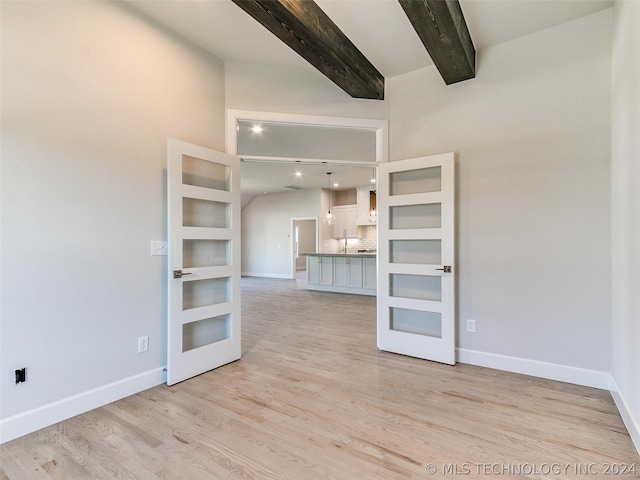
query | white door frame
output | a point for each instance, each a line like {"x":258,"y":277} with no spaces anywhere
{"x":380,"y":127}
{"x":293,"y":240}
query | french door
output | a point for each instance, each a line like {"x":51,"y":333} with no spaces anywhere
{"x":416,"y":271}
{"x":204,"y":260}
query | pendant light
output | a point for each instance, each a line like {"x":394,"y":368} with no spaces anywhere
{"x":373,"y":215}
{"x":329,"y":218}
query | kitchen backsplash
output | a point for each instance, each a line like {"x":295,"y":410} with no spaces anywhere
{"x":366,"y":242}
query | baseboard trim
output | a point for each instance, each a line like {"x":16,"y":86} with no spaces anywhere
{"x":266,"y":275}
{"x":632,"y":424}
{"x":535,"y":368}
{"x":41,"y":417}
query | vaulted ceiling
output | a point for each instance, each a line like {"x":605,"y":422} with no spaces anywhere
{"x":378,"y":28}
{"x":308,"y":30}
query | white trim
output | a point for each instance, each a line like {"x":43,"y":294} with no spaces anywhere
{"x":381,"y":127}
{"x":372,"y":292}
{"x":266,"y":275}
{"x":632,"y":424}
{"x":41,"y":417}
{"x":535,"y":368}
{"x":293,"y":240}
{"x":307,"y":161}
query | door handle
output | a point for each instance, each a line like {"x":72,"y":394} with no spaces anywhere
{"x":445,"y":269}
{"x":180,"y":274}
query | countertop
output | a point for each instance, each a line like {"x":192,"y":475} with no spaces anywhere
{"x":348,"y":254}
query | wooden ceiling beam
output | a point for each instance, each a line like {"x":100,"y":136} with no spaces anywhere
{"x":441,"y":26}
{"x":304,"y":26}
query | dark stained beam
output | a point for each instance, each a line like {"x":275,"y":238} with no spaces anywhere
{"x":441,"y":26}
{"x":303,"y":26}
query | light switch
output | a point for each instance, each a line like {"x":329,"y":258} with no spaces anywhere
{"x":159,"y":248}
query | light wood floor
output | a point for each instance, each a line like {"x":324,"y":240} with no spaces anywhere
{"x":312,"y":398}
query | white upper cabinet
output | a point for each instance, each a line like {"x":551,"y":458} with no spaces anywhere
{"x":363,"y":206}
{"x":345,"y":222}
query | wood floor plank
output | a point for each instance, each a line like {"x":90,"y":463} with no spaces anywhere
{"x":313,"y":398}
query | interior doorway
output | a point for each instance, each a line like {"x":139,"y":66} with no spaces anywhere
{"x":304,"y":235}
{"x":273,"y":147}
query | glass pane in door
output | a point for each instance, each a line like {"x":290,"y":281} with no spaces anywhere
{"x":415,"y":321}
{"x":204,"y":213}
{"x":423,"y":180}
{"x":426,"y":215}
{"x":420,"y":287}
{"x":202,"y":173}
{"x":202,"y":293}
{"x":205,"y":253}
{"x":425,"y":252}
{"x":205,"y":332}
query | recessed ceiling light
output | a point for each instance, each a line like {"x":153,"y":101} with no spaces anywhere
{"x":298,"y":173}
{"x":256,"y":129}
{"x":336,"y":184}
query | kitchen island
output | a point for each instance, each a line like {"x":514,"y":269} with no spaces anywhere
{"x":343,"y":273}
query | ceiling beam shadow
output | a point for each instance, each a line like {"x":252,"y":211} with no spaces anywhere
{"x":304,"y":26}
{"x":441,"y":26}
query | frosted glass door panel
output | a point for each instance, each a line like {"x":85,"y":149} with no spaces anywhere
{"x":205,"y":332}
{"x":422,"y":180}
{"x":202,"y":173}
{"x":205,"y":213}
{"x":426,"y":215}
{"x":203,"y":220}
{"x":415,"y":321}
{"x":416,"y":253}
{"x":203,"y":293}
{"x":205,"y":253}
{"x":423,"y":252}
{"x":420,"y":287}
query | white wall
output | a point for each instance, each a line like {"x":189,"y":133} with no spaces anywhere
{"x":90,"y":93}
{"x":293,"y":90}
{"x":626,"y":213}
{"x":532,"y":140}
{"x":266,"y":231}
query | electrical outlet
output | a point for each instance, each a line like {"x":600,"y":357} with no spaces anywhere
{"x":159,"y":248}
{"x":21,"y":375}
{"x":143,"y":344}
{"x":471,"y":326}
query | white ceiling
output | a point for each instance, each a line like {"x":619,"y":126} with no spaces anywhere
{"x":261,"y":178}
{"x":379,"y":28}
